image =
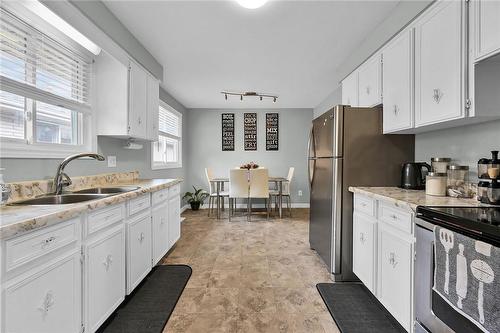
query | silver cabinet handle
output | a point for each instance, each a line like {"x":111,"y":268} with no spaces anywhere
{"x":394,"y":216}
{"x":48,"y":241}
{"x":363,"y":204}
{"x":139,"y":120}
{"x":141,"y":237}
{"x":362,"y":238}
{"x":392,"y":259}
{"x":395,"y":109}
{"x":437,"y":95}
{"x":368,"y":90}
{"x":108,"y":261}
{"x":47,"y":303}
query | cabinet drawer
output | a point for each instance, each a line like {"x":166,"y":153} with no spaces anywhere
{"x":364,"y":249}
{"x":139,"y":204}
{"x":104,"y":217}
{"x":396,"y":217}
{"x":175,"y":190}
{"x":160,"y":197}
{"x":47,"y":300}
{"x":364,"y":204}
{"x":32,"y":246}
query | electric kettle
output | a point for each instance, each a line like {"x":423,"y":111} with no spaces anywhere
{"x":412,"y":177}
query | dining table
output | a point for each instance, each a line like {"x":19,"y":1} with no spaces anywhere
{"x":219,"y":183}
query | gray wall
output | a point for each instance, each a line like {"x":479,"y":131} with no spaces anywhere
{"x":466,"y":144}
{"x":204,"y":147}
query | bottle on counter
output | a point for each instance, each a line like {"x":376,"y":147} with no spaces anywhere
{"x":494,"y":165}
{"x":494,"y":192}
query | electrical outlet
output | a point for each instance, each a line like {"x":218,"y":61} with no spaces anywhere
{"x":111,"y":161}
{"x":300,"y":193}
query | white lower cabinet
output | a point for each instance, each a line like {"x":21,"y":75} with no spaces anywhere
{"x":45,"y":300}
{"x":160,"y":225}
{"x":395,"y":274}
{"x":138,"y":249}
{"x":364,"y":250}
{"x":104,"y":276}
{"x":174,"y":220}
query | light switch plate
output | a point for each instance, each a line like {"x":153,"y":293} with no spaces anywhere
{"x":111,"y":161}
{"x":300,"y":193}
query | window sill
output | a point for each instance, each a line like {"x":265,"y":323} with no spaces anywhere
{"x":166,"y":166}
{"x":21,"y":150}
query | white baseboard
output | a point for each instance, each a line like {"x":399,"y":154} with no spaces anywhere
{"x":294,"y":205}
{"x":184,"y":208}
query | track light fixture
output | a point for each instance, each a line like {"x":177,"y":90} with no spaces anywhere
{"x":249,"y":94}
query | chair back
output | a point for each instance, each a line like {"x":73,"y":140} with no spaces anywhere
{"x":209,"y":175}
{"x":238,"y":183}
{"x":286,"y":185}
{"x":259,"y":183}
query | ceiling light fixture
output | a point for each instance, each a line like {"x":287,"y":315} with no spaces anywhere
{"x":251,"y":4}
{"x":249,"y":94}
{"x":53,"y":19}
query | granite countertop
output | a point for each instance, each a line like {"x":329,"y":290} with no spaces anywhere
{"x":413,"y":198}
{"x":15,"y":220}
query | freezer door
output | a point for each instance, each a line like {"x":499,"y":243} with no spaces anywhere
{"x":320,"y":226}
{"x":328,"y":133}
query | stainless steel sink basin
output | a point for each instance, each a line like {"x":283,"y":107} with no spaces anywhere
{"x":108,"y":190}
{"x":52,"y":199}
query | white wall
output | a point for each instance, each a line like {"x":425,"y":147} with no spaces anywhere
{"x":204,"y":147}
{"x":335,"y":98}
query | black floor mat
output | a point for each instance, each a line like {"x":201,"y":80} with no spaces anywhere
{"x":148,"y":308}
{"x":355,"y":309}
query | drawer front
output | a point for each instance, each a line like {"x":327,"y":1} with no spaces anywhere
{"x":395,"y":275}
{"x":364,"y":250}
{"x":139,"y":248}
{"x":160,"y":197}
{"x":139,"y":204}
{"x":364,"y":204}
{"x":175,"y":190}
{"x":45,"y":301}
{"x":24,"y":249}
{"x":105,"y":217}
{"x":396,"y":217}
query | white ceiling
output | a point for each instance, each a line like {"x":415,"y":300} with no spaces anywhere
{"x":288,"y":48}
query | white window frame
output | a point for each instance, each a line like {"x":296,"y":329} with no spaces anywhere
{"x":28,"y":147}
{"x":169,"y":165}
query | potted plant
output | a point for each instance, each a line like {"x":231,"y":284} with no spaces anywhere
{"x":196,"y":198}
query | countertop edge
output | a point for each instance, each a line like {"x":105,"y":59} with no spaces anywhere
{"x":397,"y":202}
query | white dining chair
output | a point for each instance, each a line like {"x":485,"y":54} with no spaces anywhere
{"x":212,"y":190}
{"x":238,"y":188}
{"x":259,"y":188}
{"x":285,"y":191}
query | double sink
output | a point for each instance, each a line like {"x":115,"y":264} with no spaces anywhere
{"x":76,"y":196}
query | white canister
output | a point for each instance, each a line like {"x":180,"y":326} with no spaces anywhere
{"x":435,"y":184}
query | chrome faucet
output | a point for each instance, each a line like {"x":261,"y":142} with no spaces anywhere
{"x":61,"y":179}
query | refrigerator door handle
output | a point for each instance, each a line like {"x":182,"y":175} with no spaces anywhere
{"x":310,"y":144}
{"x":309,"y":172}
{"x":337,"y":216}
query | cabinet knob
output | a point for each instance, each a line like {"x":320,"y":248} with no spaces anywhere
{"x":139,"y":120}
{"x":47,"y":303}
{"x":392,"y":259}
{"x":368,"y":90}
{"x":141,"y":237}
{"x":437,"y":95}
{"x":362,"y":238}
{"x":395,"y":109}
{"x":48,"y":241}
{"x":108,"y":261}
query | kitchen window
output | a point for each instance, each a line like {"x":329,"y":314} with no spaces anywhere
{"x":45,"y":80}
{"x":167,"y":151}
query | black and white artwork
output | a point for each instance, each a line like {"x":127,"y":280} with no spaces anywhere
{"x":250,"y":131}
{"x":272,"y":131}
{"x":228,"y":132}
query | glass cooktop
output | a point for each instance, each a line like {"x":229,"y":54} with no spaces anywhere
{"x":482,"y":223}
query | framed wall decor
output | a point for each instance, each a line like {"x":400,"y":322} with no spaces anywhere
{"x":250,"y":131}
{"x":227,"y":131}
{"x":272,"y":131}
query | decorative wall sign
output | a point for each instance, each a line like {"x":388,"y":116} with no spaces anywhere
{"x":250,"y":131}
{"x":228,"y":132}
{"x":272,"y":131}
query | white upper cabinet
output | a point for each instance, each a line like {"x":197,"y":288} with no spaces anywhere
{"x":440,"y":55}
{"x":350,"y":89}
{"x":486,"y":28}
{"x":126,"y":100}
{"x":370,"y":82}
{"x":398,"y":83}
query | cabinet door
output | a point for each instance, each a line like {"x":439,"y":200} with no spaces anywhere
{"x":174,"y":220}
{"x":153,"y":108}
{"x":369,"y":78}
{"x":104,"y":276}
{"x":161,"y":241}
{"x":46,"y":300}
{"x":398,"y":83}
{"x":364,"y":250}
{"x":138,"y":250}
{"x":350,"y":90}
{"x":395,"y":274}
{"x":439,"y":64}
{"x":138,"y":84}
{"x":486,"y":20}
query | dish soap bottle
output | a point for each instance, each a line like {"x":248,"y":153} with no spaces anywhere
{"x":4,"y":189}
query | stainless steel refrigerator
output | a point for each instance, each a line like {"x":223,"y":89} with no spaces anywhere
{"x":347,"y":148}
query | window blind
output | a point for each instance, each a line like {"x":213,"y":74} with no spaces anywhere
{"x":169,"y":122}
{"x":34,"y":59}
